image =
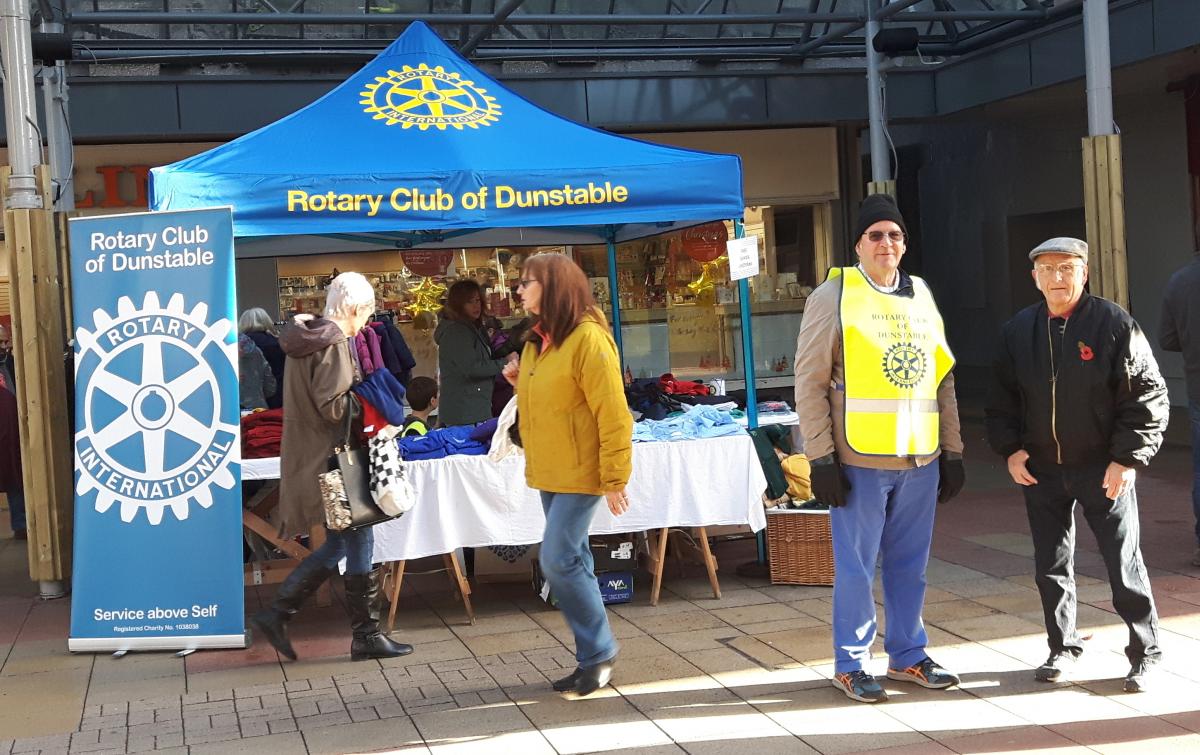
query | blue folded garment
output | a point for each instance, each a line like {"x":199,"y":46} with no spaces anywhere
{"x":383,"y":391}
{"x":696,"y":422}
{"x":440,"y":443}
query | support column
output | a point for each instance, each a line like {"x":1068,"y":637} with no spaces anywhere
{"x":37,"y":314}
{"x":61,"y":155}
{"x":1103,"y":183}
{"x":38,"y":343}
{"x":881,"y":171}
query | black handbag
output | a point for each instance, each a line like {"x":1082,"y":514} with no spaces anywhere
{"x":346,"y":486}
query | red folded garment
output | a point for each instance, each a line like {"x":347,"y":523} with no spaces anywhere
{"x":682,"y":387}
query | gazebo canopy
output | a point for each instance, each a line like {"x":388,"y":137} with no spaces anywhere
{"x":421,"y":149}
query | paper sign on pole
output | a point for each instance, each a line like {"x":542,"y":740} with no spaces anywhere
{"x":743,"y":257}
{"x":158,"y":505}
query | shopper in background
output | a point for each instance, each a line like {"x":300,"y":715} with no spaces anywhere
{"x":11,"y":483}
{"x":1077,"y":405}
{"x":256,"y":324}
{"x":577,"y":433}
{"x":8,"y":366}
{"x":465,"y":364}
{"x":879,"y":417}
{"x":422,"y":399}
{"x":256,"y":382}
{"x":316,"y":399}
{"x":1179,"y":330}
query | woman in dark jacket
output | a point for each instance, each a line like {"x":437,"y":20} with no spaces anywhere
{"x":465,"y":363}
{"x":256,"y":324}
{"x":316,"y":396}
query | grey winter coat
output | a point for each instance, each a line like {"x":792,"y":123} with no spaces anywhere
{"x":255,"y":378}
{"x":316,"y":396}
{"x":467,"y":373}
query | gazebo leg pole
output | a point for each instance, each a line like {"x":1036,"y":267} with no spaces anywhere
{"x":610,"y":234}
{"x":754,"y":568}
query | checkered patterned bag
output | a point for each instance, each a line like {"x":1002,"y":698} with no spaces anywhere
{"x":390,"y":486}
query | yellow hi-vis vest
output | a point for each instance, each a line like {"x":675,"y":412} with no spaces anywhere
{"x":895,"y":355}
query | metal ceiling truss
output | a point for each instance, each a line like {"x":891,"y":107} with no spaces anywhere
{"x":787,"y":31}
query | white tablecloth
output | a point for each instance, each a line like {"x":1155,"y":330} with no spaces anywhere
{"x":469,"y":501}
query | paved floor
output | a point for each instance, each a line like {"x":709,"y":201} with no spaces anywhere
{"x":747,"y":673}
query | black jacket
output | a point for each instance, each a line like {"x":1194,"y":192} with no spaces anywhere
{"x":1109,"y":402}
{"x":1180,"y":326}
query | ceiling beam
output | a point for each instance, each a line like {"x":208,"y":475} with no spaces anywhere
{"x":502,"y":14}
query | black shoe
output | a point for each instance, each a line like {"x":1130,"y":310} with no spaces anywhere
{"x":592,"y":678}
{"x":1056,"y":667}
{"x":272,"y":621}
{"x":362,"y":593}
{"x":567,"y":683}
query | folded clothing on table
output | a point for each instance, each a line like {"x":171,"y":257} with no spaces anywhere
{"x":443,"y":442}
{"x":262,"y":433}
{"x":696,"y":422}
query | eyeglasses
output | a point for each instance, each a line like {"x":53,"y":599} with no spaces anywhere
{"x":526,"y":282}
{"x":1065,"y":269}
{"x":877,"y":236}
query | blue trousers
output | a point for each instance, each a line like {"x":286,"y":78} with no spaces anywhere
{"x":16,"y":508}
{"x":566,"y":562}
{"x":888,"y":513}
{"x":1194,"y":411}
{"x":355,"y":546}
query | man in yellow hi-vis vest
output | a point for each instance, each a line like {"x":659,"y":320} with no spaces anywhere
{"x":877,"y":409}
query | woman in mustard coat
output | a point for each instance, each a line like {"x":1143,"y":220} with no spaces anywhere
{"x":578,"y":438}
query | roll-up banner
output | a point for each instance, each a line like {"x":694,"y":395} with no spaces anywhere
{"x":158,"y":555}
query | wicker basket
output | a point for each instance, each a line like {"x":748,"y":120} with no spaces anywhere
{"x":800,"y":547}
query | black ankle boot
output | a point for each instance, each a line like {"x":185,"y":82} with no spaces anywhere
{"x":362,"y":592}
{"x":272,"y":621}
{"x":567,"y":683}
{"x":592,"y":678}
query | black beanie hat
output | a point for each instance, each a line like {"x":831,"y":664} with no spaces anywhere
{"x":878,"y":207}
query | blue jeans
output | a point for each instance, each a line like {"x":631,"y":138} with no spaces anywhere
{"x":1194,"y":411}
{"x":355,"y":546}
{"x":888,"y":513}
{"x":567,"y":565}
{"x":16,"y":508}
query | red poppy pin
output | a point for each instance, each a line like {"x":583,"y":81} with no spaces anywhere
{"x":1085,"y":352}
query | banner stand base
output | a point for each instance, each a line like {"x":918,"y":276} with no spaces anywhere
{"x":112,"y":644}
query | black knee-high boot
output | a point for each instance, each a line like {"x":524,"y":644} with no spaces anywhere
{"x":272,"y":621}
{"x":362,"y":599}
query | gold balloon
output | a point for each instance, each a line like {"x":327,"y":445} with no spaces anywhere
{"x":703,"y":288}
{"x":427,"y":295}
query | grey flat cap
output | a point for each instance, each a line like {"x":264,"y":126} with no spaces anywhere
{"x":1061,"y":245}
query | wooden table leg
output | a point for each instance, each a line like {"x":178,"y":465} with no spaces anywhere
{"x":710,"y":563}
{"x":324,"y":594}
{"x":662,"y":555}
{"x":397,"y":580}
{"x":463,"y":586}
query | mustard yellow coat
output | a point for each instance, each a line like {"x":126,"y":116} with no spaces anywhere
{"x":575,"y":424}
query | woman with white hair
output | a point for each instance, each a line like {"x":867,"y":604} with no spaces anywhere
{"x":316,"y":397}
{"x":256,"y":324}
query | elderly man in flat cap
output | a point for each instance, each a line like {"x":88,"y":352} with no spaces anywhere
{"x":1077,"y":406}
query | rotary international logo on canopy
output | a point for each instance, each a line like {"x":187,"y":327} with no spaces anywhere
{"x":429,"y":97}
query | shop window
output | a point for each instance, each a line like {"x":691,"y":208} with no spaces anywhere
{"x":679,"y":310}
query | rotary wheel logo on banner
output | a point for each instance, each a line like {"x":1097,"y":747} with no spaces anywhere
{"x":429,"y":97}
{"x":152,"y":436}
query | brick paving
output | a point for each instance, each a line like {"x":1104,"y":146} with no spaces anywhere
{"x":748,"y":673}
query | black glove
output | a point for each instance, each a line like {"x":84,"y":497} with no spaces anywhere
{"x":953,"y":476}
{"x":829,"y":485}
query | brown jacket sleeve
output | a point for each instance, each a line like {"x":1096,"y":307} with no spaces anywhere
{"x":949,"y":430}
{"x":818,"y":347}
